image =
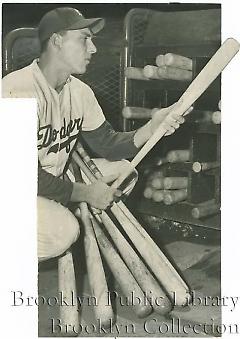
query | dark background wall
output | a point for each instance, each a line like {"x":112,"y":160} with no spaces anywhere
{"x":28,"y":14}
{"x":103,"y":72}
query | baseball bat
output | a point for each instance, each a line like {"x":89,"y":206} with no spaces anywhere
{"x":135,"y":73}
{"x":178,"y":156}
{"x":208,"y":116}
{"x":159,"y":264}
{"x":150,"y":252}
{"x":203,"y":80}
{"x":160,"y":60}
{"x":121,"y":273}
{"x":138,"y":269}
{"x":148,"y":192}
{"x":205,"y":209}
{"x":171,"y":197}
{"x":140,"y":272}
{"x":219,"y":104}
{"x":158,"y":183}
{"x":173,"y":73}
{"x":136,"y":113}
{"x":171,"y":59}
{"x":216,"y":117}
{"x":96,"y":275}
{"x":175,"y":182}
{"x":204,"y":166}
{"x":67,"y":286}
{"x":158,"y":195}
{"x":166,"y":72}
{"x":151,"y":72}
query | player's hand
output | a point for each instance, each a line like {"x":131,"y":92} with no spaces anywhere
{"x":171,"y":123}
{"x":100,"y":195}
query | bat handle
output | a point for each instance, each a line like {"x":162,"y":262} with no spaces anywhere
{"x":177,"y":110}
{"x":94,"y":169}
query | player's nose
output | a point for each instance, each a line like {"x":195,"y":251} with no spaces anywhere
{"x":91,"y":48}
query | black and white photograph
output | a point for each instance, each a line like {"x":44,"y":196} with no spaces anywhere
{"x":126,"y":102}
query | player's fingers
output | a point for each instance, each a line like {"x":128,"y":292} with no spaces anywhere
{"x":180,"y":120}
{"x":170,"y":131}
{"x":78,"y":212}
{"x":110,"y":178}
{"x":171,"y":122}
{"x":189,"y":110}
{"x":118,"y":193}
{"x":96,"y":210}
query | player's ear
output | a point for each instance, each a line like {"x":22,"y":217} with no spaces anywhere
{"x":56,"y":40}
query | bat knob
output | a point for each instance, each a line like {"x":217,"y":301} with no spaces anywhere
{"x":164,"y":308}
{"x":143,"y":311}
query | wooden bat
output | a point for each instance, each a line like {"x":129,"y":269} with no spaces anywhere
{"x":136,"y":113}
{"x":148,"y":192}
{"x":207,"y":75}
{"x":166,"y":72}
{"x":159,"y":264}
{"x":206,"y":116}
{"x":175,"y":183}
{"x":175,"y":60}
{"x":216,"y":117}
{"x":121,"y":273}
{"x":173,"y":73}
{"x":142,"y":275}
{"x":171,"y":197}
{"x":205,"y":209}
{"x":135,"y":73}
{"x":160,"y":60}
{"x":96,"y":275}
{"x":204,"y":166}
{"x":151,"y":253}
{"x":158,"y":183}
{"x":158,"y":195}
{"x":171,"y":59}
{"x":178,"y":156}
{"x":67,"y":286}
{"x":219,"y":104}
{"x":151,"y":72}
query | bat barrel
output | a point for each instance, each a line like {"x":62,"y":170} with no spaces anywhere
{"x":204,"y":166}
{"x":136,"y":113}
{"x":102,"y":309}
{"x":205,"y":209}
{"x":121,"y":273}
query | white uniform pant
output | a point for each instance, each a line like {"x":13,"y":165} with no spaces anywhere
{"x":58,"y":228}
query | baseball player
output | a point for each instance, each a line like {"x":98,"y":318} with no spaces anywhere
{"x":66,"y":109}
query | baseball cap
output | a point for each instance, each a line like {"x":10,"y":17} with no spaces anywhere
{"x":66,"y":18}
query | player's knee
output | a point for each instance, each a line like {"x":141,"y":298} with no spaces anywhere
{"x":70,"y":233}
{"x":58,"y":228}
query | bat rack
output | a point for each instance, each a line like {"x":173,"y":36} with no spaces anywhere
{"x":201,"y":137}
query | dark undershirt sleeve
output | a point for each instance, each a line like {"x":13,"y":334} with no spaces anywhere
{"x":109,"y":144}
{"x":53,"y":188}
{"x":105,"y":142}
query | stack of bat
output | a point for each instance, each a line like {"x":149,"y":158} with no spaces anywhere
{"x":216,"y":116}
{"x":167,"y":189}
{"x":168,"y":67}
{"x":135,"y":260}
{"x":138,"y":265}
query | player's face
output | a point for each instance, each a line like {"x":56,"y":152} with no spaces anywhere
{"x":77,"y":49}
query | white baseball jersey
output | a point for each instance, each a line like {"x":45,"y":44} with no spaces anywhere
{"x":60,"y":115}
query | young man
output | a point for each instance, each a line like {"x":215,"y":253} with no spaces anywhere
{"x":67,"y":108}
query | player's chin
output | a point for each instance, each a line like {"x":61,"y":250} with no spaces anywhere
{"x":80,"y":70}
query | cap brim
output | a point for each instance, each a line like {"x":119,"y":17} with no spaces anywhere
{"x":95,"y":24}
